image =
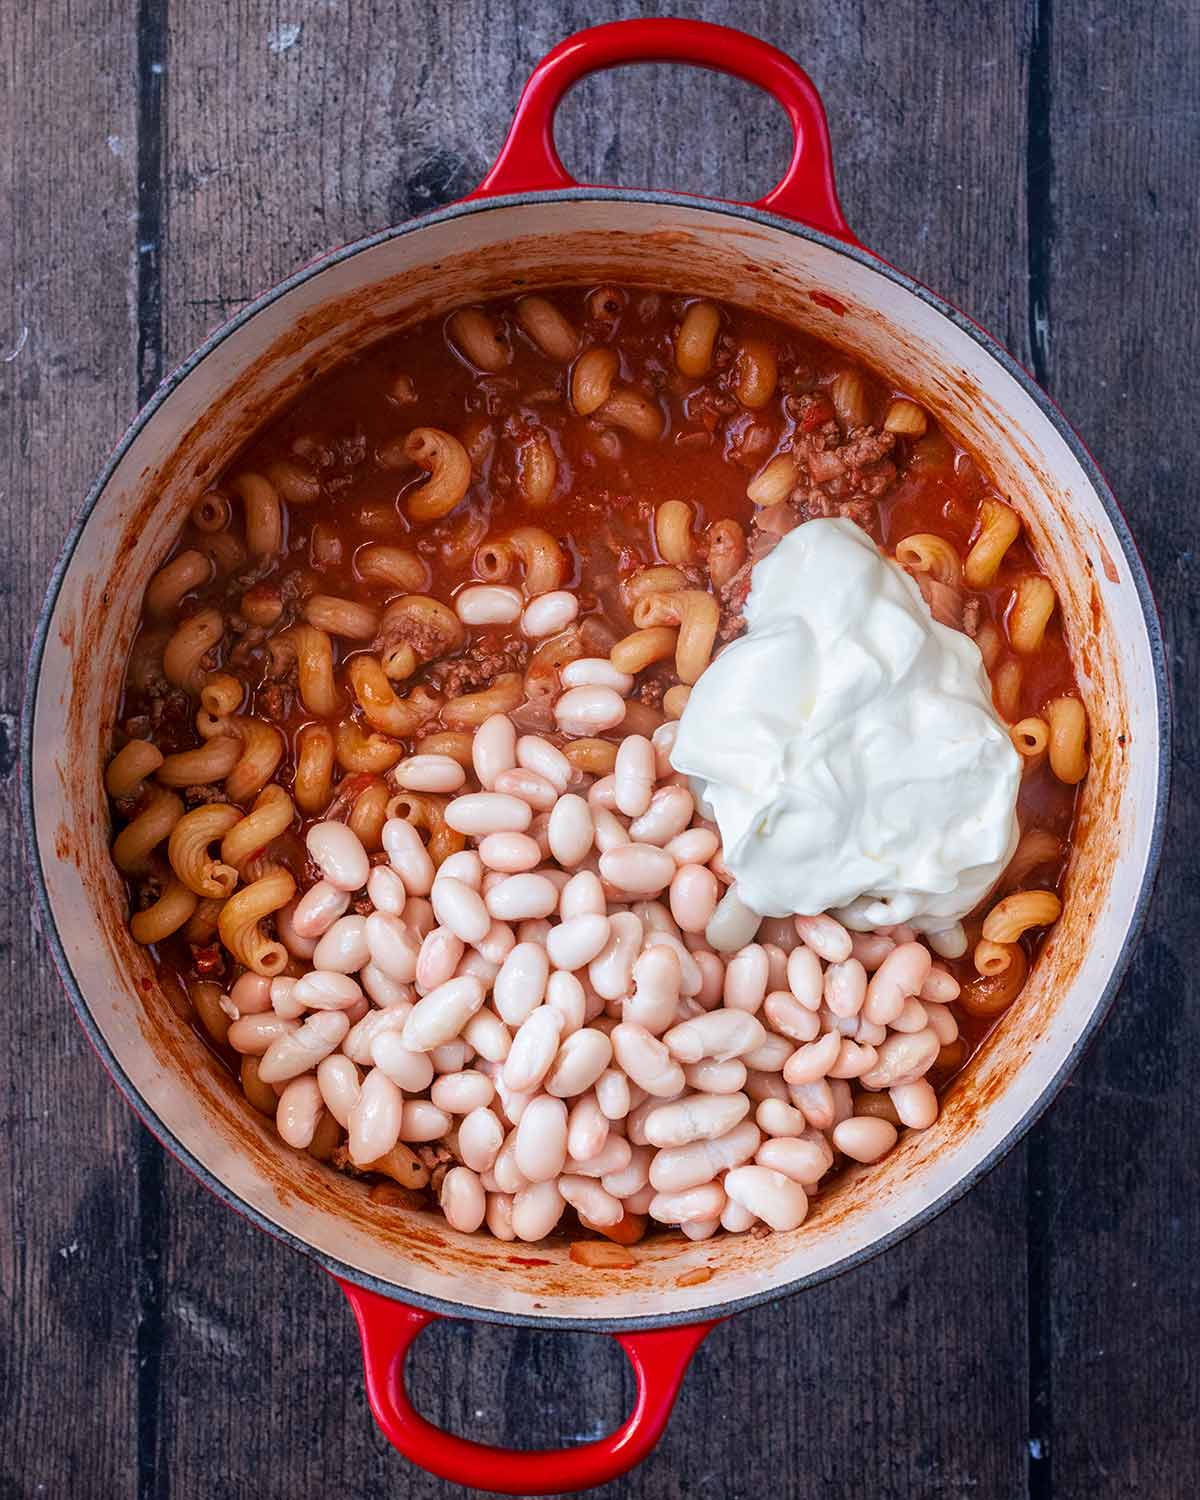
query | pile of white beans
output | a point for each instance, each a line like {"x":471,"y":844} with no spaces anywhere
{"x":574,"y":1012}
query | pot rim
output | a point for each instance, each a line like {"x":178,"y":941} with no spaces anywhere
{"x":1046,"y":1094}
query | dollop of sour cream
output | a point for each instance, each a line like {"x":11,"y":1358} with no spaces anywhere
{"x":847,"y":746}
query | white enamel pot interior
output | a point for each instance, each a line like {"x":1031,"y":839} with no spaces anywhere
{"x":259,"y":362}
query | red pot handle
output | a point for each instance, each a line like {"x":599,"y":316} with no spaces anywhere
{"x":529,"y":162}
{"x":388,"y":1328}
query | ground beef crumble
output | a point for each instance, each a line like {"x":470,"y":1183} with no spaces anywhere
{"x":477,"y":668}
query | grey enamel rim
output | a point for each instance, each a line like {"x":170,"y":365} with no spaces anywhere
{"x":715,"y":1310}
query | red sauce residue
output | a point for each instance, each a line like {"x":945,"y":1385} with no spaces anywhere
{"x":527,"y":1260}
{"x":823,"y":299}
{"x":1106,"y":562}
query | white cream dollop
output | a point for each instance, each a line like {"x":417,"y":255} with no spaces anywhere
{"x":847,"y":746}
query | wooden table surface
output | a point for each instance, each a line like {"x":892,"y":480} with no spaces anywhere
{"x":1037,"y":163}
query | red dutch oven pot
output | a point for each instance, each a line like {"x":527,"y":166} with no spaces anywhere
{"x":793,"y":256}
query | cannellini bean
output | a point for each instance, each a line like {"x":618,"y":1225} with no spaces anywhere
{"x":746,"y":976}
{"x":460,"y":909}
{"x":541,"y":1150}
{"x":299,"y":1112}
{"x":789,"y":1018}
{"x":386,"y":890}
{"x":950,"y":943}
{"x":326,"y":990}
{"x":581,"y":1059}
{"x":901,"y":974}
{"x":912,"y":1017}
{"x":689,"y":1206}
{"x":253,"y":994}
{"x":608,"y":831}
{"x":408,"y":1070}
{"x":916,"y":1104}
{"x":612,"y":1094}
{"x":646,"y":1060}
{"x":776,"y":1117}
{"x":361,"y":1037}
{"x":494,"y":749}
{"x":657,"y":976}
{"x":760,"y":1086}
{"x":805,"y":978}
{"x":694,"y":846}
{"x":480,"y":1137}
{"x":631,"y":1178}
{"x":339,"y":853}
{"x":633,"y":775}
{"x":296,"y":1052}
{"x":940,"y":986}
{"x":423,"y":1121}
{"x":614,"y":1156}
{"x":865,"y":1138}
{"x":442,"y":1014}
{"x":382,"y":988}
{"x":499,"y":1216}
{"x":669,"y":813}
{"x":870,"y":948}
{"x":571,"y":830}
{"x":533,"y":1050}
{"x":813,"y":1060}
{"x":487,"y":1034}
{"x":536,"y":1209}
{"x":510,"y":853}
{"x":814,"y":1100}
{"x":520,"y":986}
{"x":611,"y":971}
{"x":393,"y":946}
{"x":339,"y":1083}
{"x":589,"y":1199}
{"x":505,"y":1170}
{"x":663,"y":740}
{"x":732,"y":925}
{"x":429,"y":773}
{"x":374,"y":1120}
{"x":460,"y":1093}
{"x":603,"y":793}
{"x":583,"y":895}
{"x":343,"y":946}
{"x":488,"y":604}
{"x":529,"y":786}
{"x":450,"y":1057}
{"x":549,"y":613}
{"x":903,"y":1058}
{"x":712,"y":978}
{"x":826,"y":937}
{"x":678,"y":1168}
{"x":735,"y":1218}
{"x":546,"y":760}
{"x":296,"y":945}
{"x":587,"y":1127}
{"x":584,"y":711}
{"x":596,"y":671}
{"x":720,"y":1034}
{"x":480,"y":813}
{"x":440,"y":954}
{"x":640,"y":869}
{"x":769,"y":1195}
{"x":697,"y":1117}
{"x":418,"y":916}
{"x":408,"y":856}
{"x":566,"y":996}
{"x":943,"y":1023}
{"x":853,"y":1059}
{"x":712,"y":1077}
{"x":517,"y":898}
{"x":845,"y":987}
{"x":693,"y":894}
{"x":577,"y":941}
{"x":319,"y":908}
{"x":283,"y":1000}
{"x":462,"y":1200}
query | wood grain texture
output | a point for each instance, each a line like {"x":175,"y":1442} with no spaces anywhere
{"x":1037,"y":1340}
{"x":1120,"y":1209}
{"x":68,"y":1195}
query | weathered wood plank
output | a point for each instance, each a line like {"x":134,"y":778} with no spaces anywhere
{"x":283,"y":141}
{"x":68,"y":1210}
{"x":1122,"y":1202}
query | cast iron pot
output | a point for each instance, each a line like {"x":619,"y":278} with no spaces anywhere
{"x":791,"y":255}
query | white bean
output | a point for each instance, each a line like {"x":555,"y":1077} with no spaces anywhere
{"x":339,"y":1082}
{"x":549,"y":613}
{"x":319,"y":908}
{"x":299,"y":1112}
{"x":488,"y":604}
{"x":533,"y":1050}
{"x":443,"y":1013}
{"x":697,"y":1117}
{"x":590,"y":1201}
{"x":386,"y":890}
{"x":325,"y":990}
{"x":408,"y":1070}
{"x":520,"y":986}
{"x":732,"y":925}
{"x":541,"y":1150}
{"x":633,"y":775}
{"x":339,"y":853}
{"x":343,"y":946}
{"x":537,"y":754}
{"x":480,"y":1137}
{"x":517,"y":898}
{"x":865,"y":1138}
{"x":393,"y":946}
{"x":536,"y":1209}
{"x":494,"y":749}
{"x":408,"y":856}
{"x":589,"y":710}
{"x":581,"y":1059}
{"x":596,"y":671}
{"x":374,"y":1120}
{"x":769,"y":1195}
{"x":299,"y":1051}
